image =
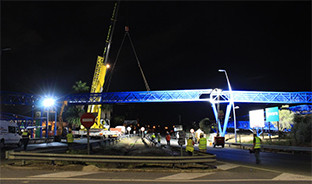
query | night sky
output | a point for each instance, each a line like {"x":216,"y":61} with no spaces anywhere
{"x":264,"y":46}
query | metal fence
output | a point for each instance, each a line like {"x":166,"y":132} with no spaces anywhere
{"x":265,"y":147}
{"x":110,"y":158}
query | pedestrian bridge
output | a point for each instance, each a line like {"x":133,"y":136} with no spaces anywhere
{"x":214,"y":96}
{"x":201,"y":95}
{"x":194,"y":95}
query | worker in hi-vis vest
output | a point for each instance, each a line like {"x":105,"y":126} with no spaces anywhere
{"x":25,"y":138}
{"x":202,"y":143}
{"x":190,"y":146}
{"x":257,"y":147}
{"x":70,"y":139}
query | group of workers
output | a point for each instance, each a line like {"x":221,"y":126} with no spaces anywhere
{"x":153,"y":138}
{"x":202,"y":146}
{"x":168,"y":138}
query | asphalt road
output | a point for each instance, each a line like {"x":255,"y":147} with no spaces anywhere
{"x":227,"y":173}
{"x":283,"y":162}
{"x":280,"y":162}
{"x":234,"y":166}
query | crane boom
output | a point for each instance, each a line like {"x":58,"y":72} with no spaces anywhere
{"x":101,"y":68}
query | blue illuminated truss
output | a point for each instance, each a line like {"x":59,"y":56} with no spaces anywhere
{"x":202,"y":95}
{"x":214,"y":96}
{"x":266,"y":97}
{"x":138,"y":97}
{"x":302,"y":109}
{"x":16,"y":98}
{"x":199,"y":95}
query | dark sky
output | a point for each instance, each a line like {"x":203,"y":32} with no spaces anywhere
{"x":264,"y":46}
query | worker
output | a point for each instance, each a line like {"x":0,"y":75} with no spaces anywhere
{"x":70,"y":139}
{"x":190,"y":146}
{"x":202,"y":144}
{"x":168,"y":137}
{"x":153,"y":137}
{"x":256,"y":147}
{"x":158,"y":137}
{"x":25,"y":138}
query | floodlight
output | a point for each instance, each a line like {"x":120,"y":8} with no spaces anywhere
{"x":48,"y":102}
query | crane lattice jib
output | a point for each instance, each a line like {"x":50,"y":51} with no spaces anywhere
{"x":100,"y":68}
{"x":110,"y":32}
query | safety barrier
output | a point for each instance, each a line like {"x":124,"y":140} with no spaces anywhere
{"x":273,"y":147}
{"x":110,"y":158}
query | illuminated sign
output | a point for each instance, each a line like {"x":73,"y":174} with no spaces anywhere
{"x":271,"y":114}
{"x":256,"y":118}
{"x":178,"y":128}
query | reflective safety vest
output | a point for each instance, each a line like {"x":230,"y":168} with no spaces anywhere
{"x":258,"y":143}
{"x":202,"y":143}
{"x":70,"y":138}
{"x":158,"y":137}
{"x":25,"y":135}
{"x":189,"y":146}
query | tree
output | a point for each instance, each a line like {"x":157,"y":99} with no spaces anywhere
{"x":72,"y":114}
{"x":302,"y":130}
{"x":205,"y":125}
{"x":286,"y":119}
{"x":80,"y":87}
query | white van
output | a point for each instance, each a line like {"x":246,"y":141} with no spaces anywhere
{"x":9,"y":134}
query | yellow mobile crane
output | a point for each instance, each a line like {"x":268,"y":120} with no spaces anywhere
{"x":100,"y":71}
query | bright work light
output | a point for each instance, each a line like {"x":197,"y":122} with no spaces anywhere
{"x":48,"y":102}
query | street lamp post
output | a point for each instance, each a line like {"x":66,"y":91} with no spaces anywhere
{"x":142,"y":130}
{"x":47,"y":103}
{"x":231,"y":101}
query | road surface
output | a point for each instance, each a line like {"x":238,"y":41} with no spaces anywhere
{"x":233,"y":166}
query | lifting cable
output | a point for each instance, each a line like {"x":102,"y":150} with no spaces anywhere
{"x":136,"y":56}
{"x":113,"y":67}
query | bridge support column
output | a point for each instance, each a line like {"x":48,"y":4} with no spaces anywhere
{"x":215,"y":112}
{"x":226,"y":119}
